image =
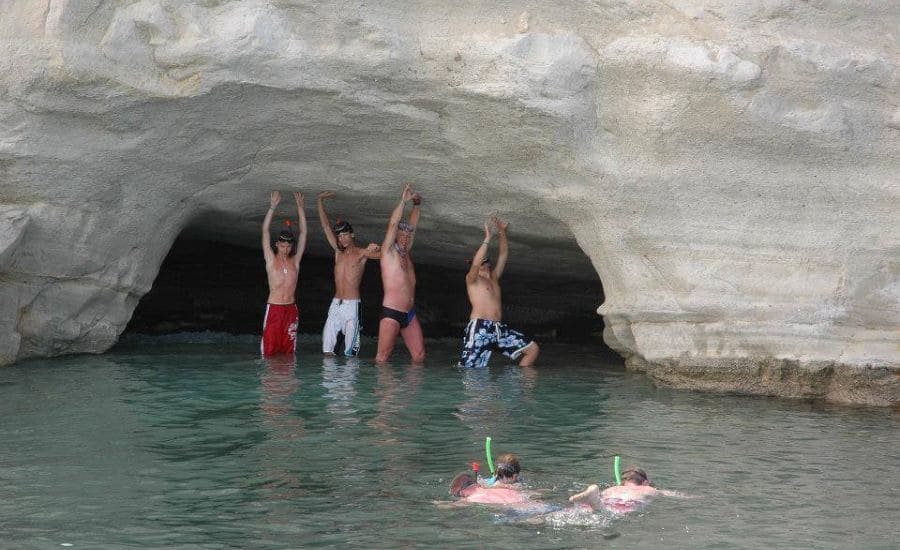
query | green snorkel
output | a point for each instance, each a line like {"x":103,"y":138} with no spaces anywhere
{"x":617,"y":465}
{"x":490,"y":460}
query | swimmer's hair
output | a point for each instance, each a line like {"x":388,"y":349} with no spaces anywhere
{"x":636,"y":476}
{"x":460,"y":483}
{"x":508,"y":467}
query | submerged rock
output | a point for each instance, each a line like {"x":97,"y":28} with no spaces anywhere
{"x":730,"y":170}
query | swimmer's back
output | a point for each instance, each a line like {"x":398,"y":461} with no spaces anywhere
{"x":498,"y":495}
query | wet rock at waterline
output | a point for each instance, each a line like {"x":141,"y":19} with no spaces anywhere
{"x":730,"y":170}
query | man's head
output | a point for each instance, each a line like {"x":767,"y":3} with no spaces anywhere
{"x":285,"y":242}
{"x":508,"y":468}
{"x":635,"y":476}
{"x":404,"y":235}
{"x":343,"y":231}
{"x":462,"y":485}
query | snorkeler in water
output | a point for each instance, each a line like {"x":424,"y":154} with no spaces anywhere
{"x":468,"y":490}
{"x":507,"y":472}
{"x":633,"y":494}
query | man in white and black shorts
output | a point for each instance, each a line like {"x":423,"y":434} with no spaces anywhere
{"x":485,"y":330}
{"x":349,"y":264}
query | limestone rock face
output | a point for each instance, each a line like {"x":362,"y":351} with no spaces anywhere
{"x":730,"y":169}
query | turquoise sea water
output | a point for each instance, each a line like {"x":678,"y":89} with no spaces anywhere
{"x":169,"y":445}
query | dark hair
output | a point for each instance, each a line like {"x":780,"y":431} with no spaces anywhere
{"x":287,"y":234}
{"x":342,"y":226}
{"x":460,"y":483}
{"x":508,"y":467}
{"x":635,"y":475}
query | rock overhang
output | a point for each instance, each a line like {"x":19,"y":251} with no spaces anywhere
{"x":729,"y":170}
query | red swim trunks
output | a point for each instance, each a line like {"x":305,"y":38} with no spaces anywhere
{"x":280,"y":329}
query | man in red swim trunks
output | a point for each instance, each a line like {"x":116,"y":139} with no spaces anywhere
{"x":282,"y":268}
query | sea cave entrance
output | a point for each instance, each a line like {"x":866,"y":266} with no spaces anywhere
{"x":205,"y":285}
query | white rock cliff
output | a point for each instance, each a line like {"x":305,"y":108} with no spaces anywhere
{"x":730,"y":168}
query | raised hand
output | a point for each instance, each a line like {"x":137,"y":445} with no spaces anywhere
{"x":487,"y":231}
{"x":373,"y":248}
{"x":324,"y":195}
{"x":416,"y":199}
{"x":407,"y":193}
{"x":274,"y":198}
{"x":499,"y":224}
{"x":298,"y":197}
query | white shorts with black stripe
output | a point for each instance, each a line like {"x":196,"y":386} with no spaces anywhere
{"x":343,"y":316}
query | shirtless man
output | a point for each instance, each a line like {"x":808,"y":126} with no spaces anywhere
{"x":469,"y":491}
{"x":485,"y":330}
{"x":634,"y":492}
{"x":398,"y":275}
{"x":465,"y":487}
{"x":349,"y":264}
{"x":282,"y":268}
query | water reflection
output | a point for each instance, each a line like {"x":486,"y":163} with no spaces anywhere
{"x":394,"y":396}
{"x":488,"y":403}
{"x":280,"y":453}
{"x":395,"y":423}
{"x":339,"y":381}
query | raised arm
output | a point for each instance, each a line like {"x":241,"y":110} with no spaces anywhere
{"x":501,"y":226}
{"x":324,"y":220}
{"x":391,"y":234}
{"x":301,"y":239}
{"x":274,"y":199}
{"x":414,"y":217}
{"x":479,"y":255}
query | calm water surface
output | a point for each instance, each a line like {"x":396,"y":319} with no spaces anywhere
{"x":207,"y":446}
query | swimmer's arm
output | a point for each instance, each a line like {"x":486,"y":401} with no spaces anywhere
{"x":323,"y":219}
{"x":301,"y":216}
{"x":675,"y":494}
{"x":472,"y":275}
{"x":274,"y":199}
{"x":450,"y":504}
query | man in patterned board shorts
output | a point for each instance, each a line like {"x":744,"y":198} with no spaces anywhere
{"x":485,"y":331}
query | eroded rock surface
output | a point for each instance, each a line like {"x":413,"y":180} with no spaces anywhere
{"x":730,"y":169}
